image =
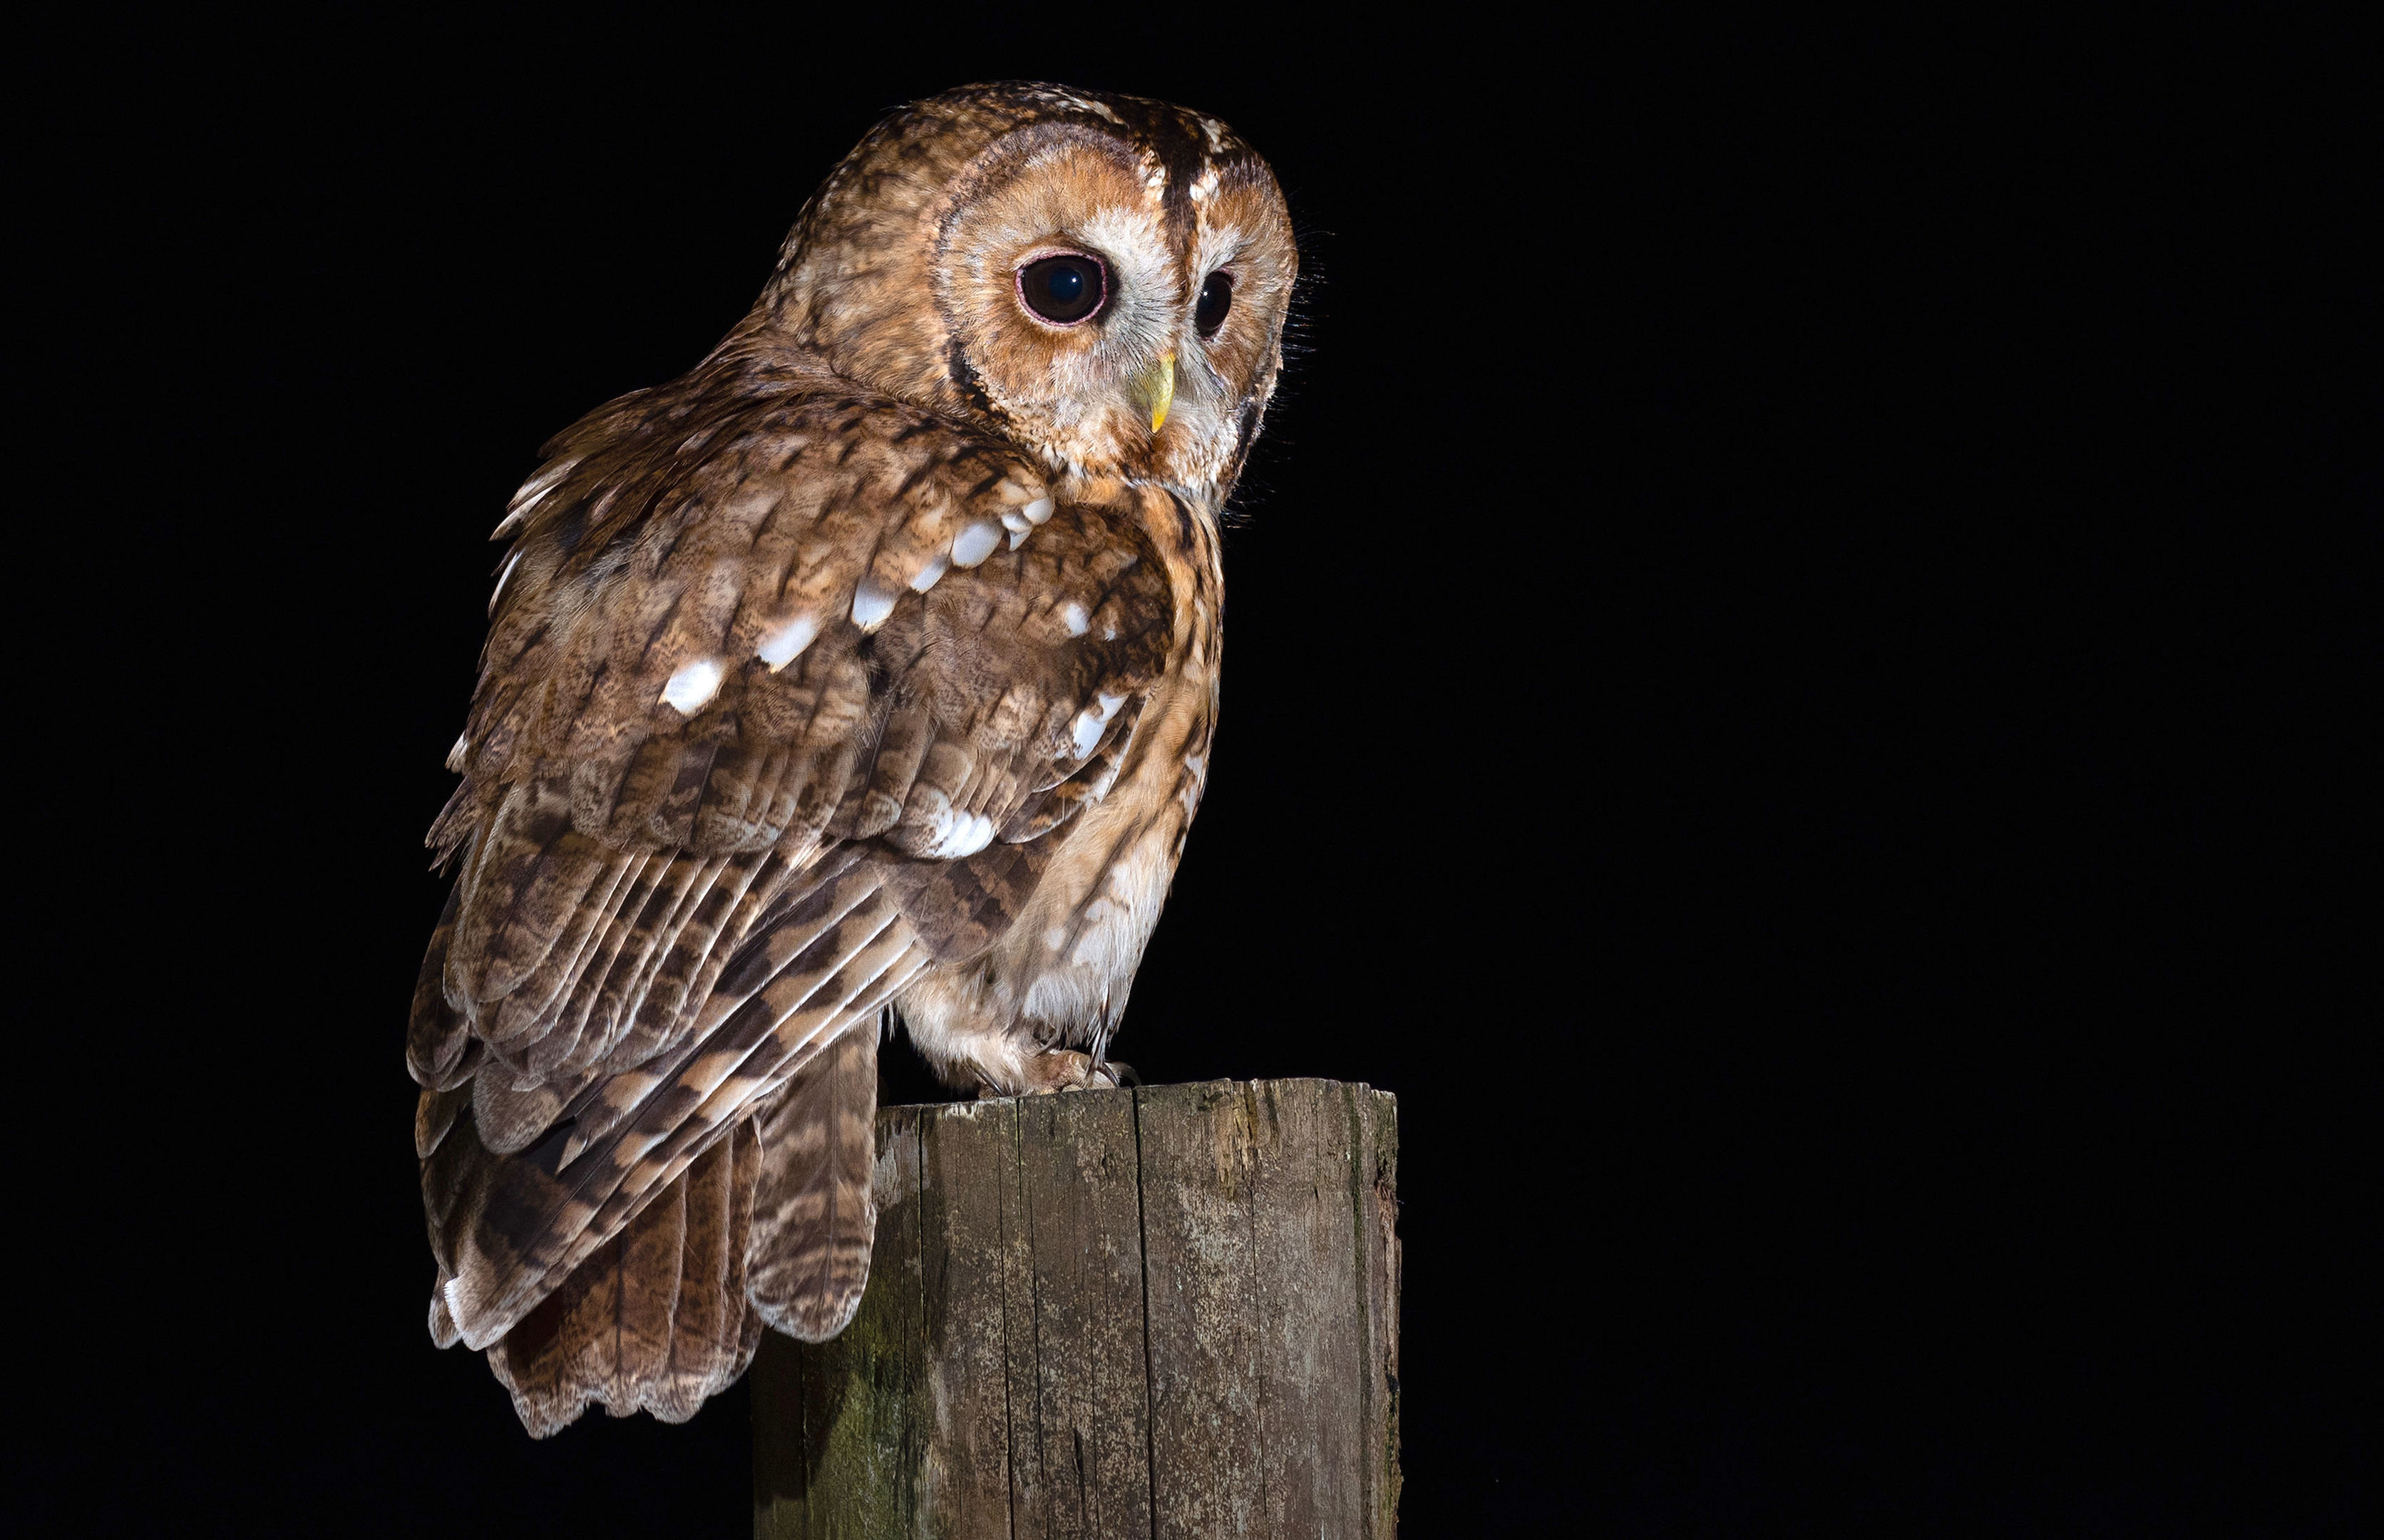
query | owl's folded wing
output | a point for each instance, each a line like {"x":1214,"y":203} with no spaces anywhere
{"x":782,"y":692}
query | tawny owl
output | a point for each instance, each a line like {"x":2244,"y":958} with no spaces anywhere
{"x":870,"y":664}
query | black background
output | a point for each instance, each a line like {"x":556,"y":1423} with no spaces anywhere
{"x":1784,"y":692}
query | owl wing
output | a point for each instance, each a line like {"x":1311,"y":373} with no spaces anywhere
{"x":785,"y":693}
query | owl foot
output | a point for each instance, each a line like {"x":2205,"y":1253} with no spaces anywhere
{"x":1062,"y":1069}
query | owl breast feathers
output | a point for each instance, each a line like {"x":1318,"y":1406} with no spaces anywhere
{"x":866,"y":671}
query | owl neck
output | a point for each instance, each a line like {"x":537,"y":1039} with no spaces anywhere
{"x":1181,"y":524}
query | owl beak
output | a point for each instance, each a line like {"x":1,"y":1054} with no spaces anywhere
{"x":1161,"y":386}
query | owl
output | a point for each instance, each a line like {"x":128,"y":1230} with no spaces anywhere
{"x":865,"y":673}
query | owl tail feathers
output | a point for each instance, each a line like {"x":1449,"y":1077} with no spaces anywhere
{"x":657,"y":1318}
{"x":773,"y":1224}
{"x":814,"y":1215}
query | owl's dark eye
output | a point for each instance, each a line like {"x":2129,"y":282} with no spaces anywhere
{"x":1063,"y":290}
{"x":1216,"y":299}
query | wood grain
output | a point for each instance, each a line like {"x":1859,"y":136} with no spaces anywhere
{"x":1170,"y":1311}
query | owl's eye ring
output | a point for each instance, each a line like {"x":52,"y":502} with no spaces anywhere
{"x":1065,"y":289}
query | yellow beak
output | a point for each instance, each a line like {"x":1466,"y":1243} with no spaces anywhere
{"x":1162,"y":391}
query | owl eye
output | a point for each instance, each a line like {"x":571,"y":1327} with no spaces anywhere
{"x":1063,"y":290}
{"x":1216,"y":299}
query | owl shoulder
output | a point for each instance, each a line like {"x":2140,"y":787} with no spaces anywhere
{"x":756,"y":557}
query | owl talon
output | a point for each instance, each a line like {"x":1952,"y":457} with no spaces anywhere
{"x":1059,"y":1070}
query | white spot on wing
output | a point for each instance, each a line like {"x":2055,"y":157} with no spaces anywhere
{"x":931,"y":574}
{"x":539,"y":485}
{"x":974,"y":543}
{"x":1073,"y":615}
{"x":692,"y":687}
{"x":871,"y":606}
{"x":1083,"y":103}
{"x":527,"y":499}
{"x":1037,"y":510}
{"x":510,"y":562}
{"x":456,"y":756}
{"x":1092,"y":719}
{"x":953,"y":835}
{"x":781,"y":646}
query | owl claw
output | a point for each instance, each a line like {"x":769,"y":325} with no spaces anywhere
{"x":1058,"y":1070}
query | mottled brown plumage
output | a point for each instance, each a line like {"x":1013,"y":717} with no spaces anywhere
{"x":869,"y":666}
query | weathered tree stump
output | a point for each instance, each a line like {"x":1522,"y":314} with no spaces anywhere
{"x":1164,"y":1312}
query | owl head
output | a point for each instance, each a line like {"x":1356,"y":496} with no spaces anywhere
{"x":1101,"y":279}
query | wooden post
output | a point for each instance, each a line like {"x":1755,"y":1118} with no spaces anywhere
{"x":1168,"y":1313}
